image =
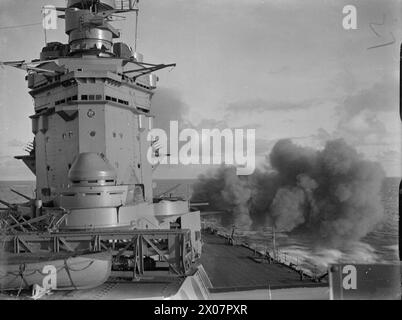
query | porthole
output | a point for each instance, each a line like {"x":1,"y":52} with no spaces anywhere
{"x":91,"y":113}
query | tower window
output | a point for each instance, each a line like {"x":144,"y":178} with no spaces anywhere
{"x":46,"y":192}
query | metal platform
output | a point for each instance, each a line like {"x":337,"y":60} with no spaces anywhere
{"x":228,"y":269}
{"x":238,"y":268}
{"x":120,"y":286}
{"x":114,"y":289}
{"x":176,"y":249}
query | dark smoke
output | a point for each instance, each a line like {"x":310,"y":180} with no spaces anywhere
{"x":225,"y":191}
{"x":332,"y":195}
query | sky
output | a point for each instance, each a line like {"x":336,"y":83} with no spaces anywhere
{"x":285,"y":68}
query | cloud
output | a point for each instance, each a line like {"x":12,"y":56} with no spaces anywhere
{"x":359,"y":113}
{"x":363,"y":128}
{"x":279,"y":70}
{"x":168,"y":105}
{"x":15,"y":143}
{"x":259,"y":105}
{"x":322,"y":136}
{"x":12,"y":169}
{"x":5,"y":3}
{"x":211,"y":124}
{"x":381,"y":97}
{"x":208,"y":123}
{"x":345,"y":81}
{"x":392,"y":159}
{"x":388,"y":155}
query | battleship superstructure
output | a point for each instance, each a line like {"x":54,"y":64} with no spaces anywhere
{"x":94,"y":188}
{"x":91,"y":124}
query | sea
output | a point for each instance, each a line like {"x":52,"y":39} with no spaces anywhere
{"x":379,"y":246}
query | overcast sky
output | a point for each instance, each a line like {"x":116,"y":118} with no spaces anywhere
{"x":286,"y":68}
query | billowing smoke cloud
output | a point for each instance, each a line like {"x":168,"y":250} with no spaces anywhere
{"x":333,"y":194}
{"x":227,"y":192}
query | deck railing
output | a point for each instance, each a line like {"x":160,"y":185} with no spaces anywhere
{"x":278,"y":256}
{"x":172,"y":247}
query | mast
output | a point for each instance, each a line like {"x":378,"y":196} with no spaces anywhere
{"x":274,"y":242}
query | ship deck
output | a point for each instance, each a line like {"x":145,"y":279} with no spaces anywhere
{"x":115,"y":289}
{"x":230,"y":268}
{"x":237,"y":268}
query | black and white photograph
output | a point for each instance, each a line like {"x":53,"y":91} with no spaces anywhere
{"x":209,"y":150}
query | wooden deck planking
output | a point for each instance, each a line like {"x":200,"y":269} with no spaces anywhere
{"x":232,"y":268}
